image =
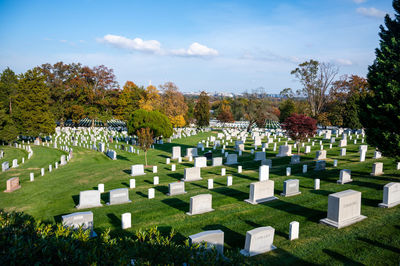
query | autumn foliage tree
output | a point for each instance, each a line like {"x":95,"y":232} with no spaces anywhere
{"x":224,"y":113}
{"x":145,"y":139}
{"x":202,"y":110}
{"x":173,"y":104}
{"x":299,"y":127}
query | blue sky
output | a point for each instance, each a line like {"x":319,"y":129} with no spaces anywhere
{"x":224,"y":46}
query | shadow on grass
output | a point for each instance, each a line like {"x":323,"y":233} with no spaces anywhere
{"x":162,"y":189}
{"x":231,"y":192}
{"x":142,"y":194}
{"x":125,"y":184}
{"x":114,"y":220}
{"x":177,"y":204}
{"x":339,"y":257}
{"x":178,"y":237}
{"x":295,"y":209}
{"x":127,"y":171}
{"x":75,"y":198}
{"x":232,"y":238}
{"x":321,"y":192}
{"x":380,"y":245}
{"x":370,"y":202}
{"x":105,"y":197}
{"x":123,"y":158}
{"x":200,"y":186}
{"x":177,"y":176}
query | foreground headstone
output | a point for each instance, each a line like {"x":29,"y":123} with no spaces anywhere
{"x":176,"y":188}
{"x":119,"y":196}
{"x":377,"y":169}
{"x":344,"y":209}
{"x":155,"y":169}
{"x":259,"y":240}
{"x":229,"y":180}
{"x":126,"y":220}
{"x":79,"y":219}
{"x":12,"y":184}
{"x":200,"y":204}
{"x":89,"y":199}
{"x":137,"y":170}
{"x":213,"y":238}
{"x":291,"y":188}
{"x":391,"y":195}
{"x":345,"y":176}
{"x":294,"y":230}
{"x":261,"y":191}
{"x":31,"y":177}
{"x":192,"y":174}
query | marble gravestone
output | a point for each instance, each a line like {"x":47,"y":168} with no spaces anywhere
{"x":126,"y":220}
{"x":261,"y":191}
{"x":200,"y":204}
{"x":191,"y":152}
{"x":89,"y":199}
{"x":14,"y":163}
{"x":217,"y":161}
{"x":285,"y":150}
{"x":294,"y":230}
{"x":259,"y":156}
{"x":137,"y":170}
{"x":307,"y":149}
{"x":391,"y":195}
{"x":320,"y":155}
{"x":295,"y":159}
{"x":231,"y":159}
{"x":5,"y":166}
{"x":345,"y":176}
{"x":344,"y":209}
{"x":79,"y":219}
{"x":176,"y":188}
{"x":213,"y":238}
{"x":176,"y":152}
{"x":320,"y":165}
{"x":192,"y":174}
{"x":12,"y":184}
{"x":291,"y":188}
{"x":119,"y":196}
{"x":267,"y":162}
{"x":259,"y":240}
{"x":263,"y":173}
{"x":200,"y":162}
{"x":377,"y":169}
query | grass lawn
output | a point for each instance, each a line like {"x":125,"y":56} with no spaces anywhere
{"x":375,"y":240}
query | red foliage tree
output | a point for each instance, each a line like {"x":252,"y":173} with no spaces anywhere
{"x":299,"y":127}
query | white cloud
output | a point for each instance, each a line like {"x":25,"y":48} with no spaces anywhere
{"x":195,"y":49}
{"x":371,"y":12}
{"x":359,"y":1}
{"x":344,"y":62}
{"x":137,"y":44}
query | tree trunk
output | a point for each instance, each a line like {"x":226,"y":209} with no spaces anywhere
{"x":145,"y":157}
{"x":10,"y":107}
{"x":298,"y":148}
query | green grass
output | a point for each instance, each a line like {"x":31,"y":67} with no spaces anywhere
{"x":373,"y":241}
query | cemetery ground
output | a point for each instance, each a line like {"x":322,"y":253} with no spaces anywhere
{"x":374,"y":240}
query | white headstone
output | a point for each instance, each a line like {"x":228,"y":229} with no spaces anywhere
{"x":263,"y":173}
{"x":89,"y":199}
{"x":31,"y":177}
{"x":229,"y":181}
{"x":100,"y":187}
{"x":176,"y":188}
{"x":377,"y":169}
{"x":156,"y":180}
{"x":126,"y":220}
{"x":316,"y":184}
{"x":391,"y":195}
{"x":200,"y":204}
{"x":192,"y":174}
{"x":288,"y":171}
{"x":213,"y":238}
{"x":132,"y":183}
{"x":137,"y":170}
{"x":259,"y":240}
{"x":344,"y":209}
{"x":151,"y":193}
{"x":155,"y":169}
{"x":294,"y":230}
{"x":210,"y":183}
{"x":291,"y":188}
{"x":261,"y":191}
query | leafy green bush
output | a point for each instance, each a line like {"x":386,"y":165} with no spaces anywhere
{"x":26,"y":241}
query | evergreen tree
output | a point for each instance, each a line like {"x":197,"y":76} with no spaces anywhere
{"x":8,"y":89}
{"x":202,"y":110}
{"x":32,"y":112}
{"x":8,"y":130}
{"x":157,"y":122}
{"x":286,"y":108}
{"x":380,"y":113}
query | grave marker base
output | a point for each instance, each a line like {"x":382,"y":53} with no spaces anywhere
{"x":260,"y":200}
{"x":384,"y":205}
{"x":344,"y":223}
{"x":11,"y":190}
{"x":250,"y":254}
{"x":205,"y":211}
{"x":290,"y":194}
